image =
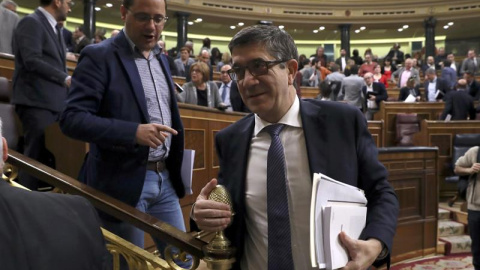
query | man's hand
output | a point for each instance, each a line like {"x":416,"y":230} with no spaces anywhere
{"x":475,"y":168}
{"x":362,"y":253}
{"x":209,"y":215}
{"x":153,"y":135}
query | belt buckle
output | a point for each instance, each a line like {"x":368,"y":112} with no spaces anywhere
{"x":160,"y":166}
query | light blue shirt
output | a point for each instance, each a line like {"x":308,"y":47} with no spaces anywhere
{"x":50,"y":18}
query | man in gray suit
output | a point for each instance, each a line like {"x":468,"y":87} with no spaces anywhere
{"x":40,"y":79}
{"x":471,"y":63}
{"x":351,"y":90}
{"x":8,"y":22}
{"x":404,"y":73}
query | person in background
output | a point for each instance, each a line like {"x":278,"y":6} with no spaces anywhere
{"x":396,"y":55}
{"x":367,"y":66}
{"x":374,"y":93}
{"x":66,"y":234}
{"x":357,"y":58}
{"x":469,"y":164}
{"x":342,"y":60}
{"x":404,"y":73}
{"x":183,"y":62}
{"x":410,"y":89}
{"x":216,"y":56}
{"x":81,"y":40}
{"x":10,"y":5}
{"x":171,"y":61}
{"x":8,"y":23}
{"x":387,"y":68}
{"x":226,"y":60}
{"x":449,"y":74}
{"x":459,"y":104}
{"x":200,"y":90}
{"x":265,"y":165}
{"x":228,"y":90}
{"x":473,"y":86}
{"x":379,"y":77}
{"x":40,"y":80}
{"x":435,"y":88}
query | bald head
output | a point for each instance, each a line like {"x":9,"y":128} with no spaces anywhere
{"x":461,"y":84}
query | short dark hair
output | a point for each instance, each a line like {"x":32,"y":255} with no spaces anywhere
{"x":277,"y":42}
{"x":45,"y":3}
{"x":129,"y":3}
{"x":354,"y":69}
{"x":447,"y":63}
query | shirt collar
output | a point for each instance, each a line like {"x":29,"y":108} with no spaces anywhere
{"x":291,"y":118}
{"x":156,"y":50}
{"x":50,"y":18}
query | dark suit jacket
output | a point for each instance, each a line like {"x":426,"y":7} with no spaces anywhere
{"x":235,"y":98}
{"x":40,"y":65}
{"x":339,"y":62}
{"x":104,"y":107}
{"x":405,"y":91}
{"x":460,"y":105}
{"x":48,"y":231}
{"x":350,"y":158}
{"x":441,"y":85}
{"x":474,"y":90}
{"x":400,"y":56}
{"x":67,"y":37}
{"x":377,"y":88}
{"x":82,"y":44}
{"x":172,"y":66}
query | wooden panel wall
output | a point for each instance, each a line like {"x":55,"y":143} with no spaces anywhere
{"x":413,"y":175}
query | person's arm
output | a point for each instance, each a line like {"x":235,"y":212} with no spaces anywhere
{"x":448,"y":107}
{"x":468,"y":163}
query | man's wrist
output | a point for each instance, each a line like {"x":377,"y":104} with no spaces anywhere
{"x":384,"y":253}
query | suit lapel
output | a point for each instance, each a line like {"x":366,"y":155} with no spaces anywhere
{"x":126,"y":57}
{"x":316,"y":136}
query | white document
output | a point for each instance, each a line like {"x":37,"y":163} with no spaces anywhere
{"x":187,"y":170}
{"x":325,"y":192}
{"x":411,"y":98}
{"x":348,"y":218}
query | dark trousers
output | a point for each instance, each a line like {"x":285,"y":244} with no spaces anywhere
{"x":474,"y":229}
{"x":34,"y":121}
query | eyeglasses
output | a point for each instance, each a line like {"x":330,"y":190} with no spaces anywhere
{"x":142,"y":17}
{"x":224,"y":72}
{"x":256,"y":67}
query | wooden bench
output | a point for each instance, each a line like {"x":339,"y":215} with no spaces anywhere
{"x":440,"y":134}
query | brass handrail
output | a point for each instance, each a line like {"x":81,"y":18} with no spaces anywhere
{"x":109,"y":205}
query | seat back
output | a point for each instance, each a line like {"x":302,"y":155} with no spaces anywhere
{"x":406,"y":125}
{"x":5,"y":91}
{"x":10,"y":125}
{"x":461,"y":143}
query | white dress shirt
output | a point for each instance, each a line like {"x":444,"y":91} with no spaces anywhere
{"x":299,"y":192}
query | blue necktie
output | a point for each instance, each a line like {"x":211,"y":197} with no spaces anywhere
{"x":279,"y":242}
{"x":224,"y":92}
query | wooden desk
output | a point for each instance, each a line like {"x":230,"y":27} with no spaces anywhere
{"x":389,"y":110}
{"x":7,"y":66}
{"x":440,"y":134}
{"x":376,"y":130}
{"x":412,"y":171}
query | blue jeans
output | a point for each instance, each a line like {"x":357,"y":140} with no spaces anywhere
{"x":158,"y":199}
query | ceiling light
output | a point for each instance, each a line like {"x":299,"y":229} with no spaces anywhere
{"x":450,"y":23}
{"x":357,"y":31}
{"x":315,"y":31}
{"x":109,"y":5}
{"x":321,"y":28}
{"x":400,"y":29}
{"x":190,"y":23}
{"x":363,"y":28}
{"x":241,"y":24}
{"x":445,"y":27}
{"x":405,"y":26}
{"x":98,"y":9}
{"x":232,"y":27}
{"x":281,"y":26}
{"x":199,"y":20}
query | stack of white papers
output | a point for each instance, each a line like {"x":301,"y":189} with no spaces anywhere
{"x":335,"y":207}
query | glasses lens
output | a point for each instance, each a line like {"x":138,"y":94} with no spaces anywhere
{"x":142,"y":17}
{"x":258,"y":67}
{"x":158,"y":19}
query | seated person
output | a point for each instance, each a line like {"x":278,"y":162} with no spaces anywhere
{"x":410,"y":89}
{"x":45,"y":231}
{"x":200,"y":91}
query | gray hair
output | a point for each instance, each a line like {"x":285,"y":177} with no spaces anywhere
{"x":277,"y":42}
{"x":430,"y":71}
{"x":8,"y":2}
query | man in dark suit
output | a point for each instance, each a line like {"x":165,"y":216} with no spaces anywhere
{"x":374,"y":93}
{"x":473,"y":86}
{"x":342,"y":60}
{"x":40,"y":79}
{"x":459,"y":104}
{"x":67,"y":37}
{"x":318,"y":136}
{"x":123,"y":103}
{"x":47,"y":231}
{"x":81,"y":40}
{"x":396,"y":55}
{"x":435,"y":88}
{"x":229,"y":91}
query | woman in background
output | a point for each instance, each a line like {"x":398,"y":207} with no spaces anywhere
{"x":387,"y":68}
{"x":200,"y":90}
{"x":378,"y":76}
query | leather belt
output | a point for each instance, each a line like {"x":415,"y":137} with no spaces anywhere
{"x":157,"y":166}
